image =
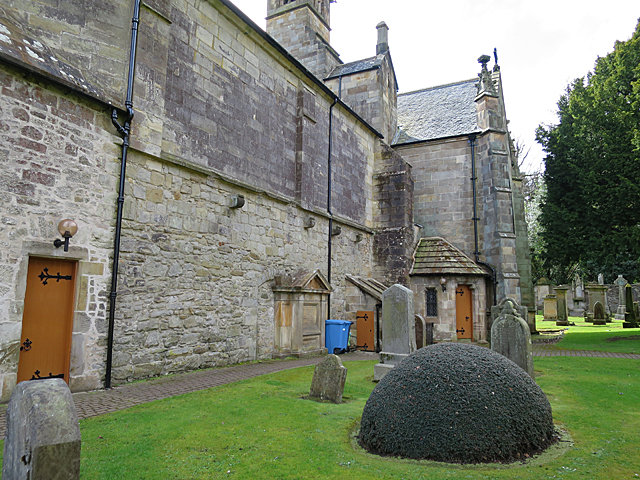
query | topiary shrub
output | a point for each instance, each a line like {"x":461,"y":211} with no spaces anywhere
{"x":457,"y":403}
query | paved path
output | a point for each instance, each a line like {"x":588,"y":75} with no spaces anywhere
{"x":91,"y":404}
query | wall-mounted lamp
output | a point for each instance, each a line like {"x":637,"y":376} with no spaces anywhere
{"x":336,"y":230}
{"x":443,"y":283}
{"x":359,"y":237}
{"x":310,"y":222}
{"x":237,"y":201}
{"x":67,"y":228}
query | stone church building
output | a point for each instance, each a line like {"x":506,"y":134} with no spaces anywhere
{"x":261,"y":186}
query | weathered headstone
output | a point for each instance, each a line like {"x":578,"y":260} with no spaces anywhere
{"x":398,"y":329}
{"x":328,"y":381}
{"x":597,"y":294}
{"x":579,"y":292}
{"x":43,"y":435}
{"x":630,"y":319}
{"x":621,"y":282}
{"x":510,"y":336}
{"x":599,"y":316}
{"x":563,"y":309}
{"x":421,"y":332}
{"x":551,"y":308}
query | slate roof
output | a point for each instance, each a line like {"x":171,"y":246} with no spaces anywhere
{"x":438,"y":112}
{"x":436,"y":256}
{"x":357,"y":66}
{"x":368,"y":285}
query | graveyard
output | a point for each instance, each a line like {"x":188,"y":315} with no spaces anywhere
{"x":268,"y":428}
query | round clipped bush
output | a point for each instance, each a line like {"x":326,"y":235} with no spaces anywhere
{"x":457,"y":403}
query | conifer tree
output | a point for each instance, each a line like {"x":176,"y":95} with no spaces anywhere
{"x":590,"y":217}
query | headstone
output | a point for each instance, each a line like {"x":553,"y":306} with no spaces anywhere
{"x":597,"y":294}
{"x":510,"y":336}
{"x":621,"y":282}
{"x":421,"y":332}
{"x":398,"y":329}
{"x":630,"y":318}
{"x":550,"y":308}
{"x":599,"y":316}
{"x":563,"y":310}
{"x":328,"y":381}
{"x":42,"y":441}
{"x":579,"y":295}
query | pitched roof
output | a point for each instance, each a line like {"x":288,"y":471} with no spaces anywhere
{"x":357,"y":66}
{"x":437,"y":112}
{"x":368,"y":285}
{"x":436,"y":256}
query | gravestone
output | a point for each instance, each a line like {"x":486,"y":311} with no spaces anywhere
{"x":511,"y":337}
{"x":621,"y":282}
{"x":579,"y":288}
{"x":398,"y":329}
{"x":597,"y":294}
{"x":42,"y":441}
{"x":421,"y":332}
{"x":563,"y":310}
{"x":551,"y":308}
{"x":630,"y":318}
{"x":328,"y":381}
{"x":599,"y":316}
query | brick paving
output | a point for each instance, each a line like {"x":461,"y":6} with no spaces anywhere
{"x":91,"y":404}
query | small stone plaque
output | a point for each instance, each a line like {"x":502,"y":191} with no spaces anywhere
{"x":328,"y":381}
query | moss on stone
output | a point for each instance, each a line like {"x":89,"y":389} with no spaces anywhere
{"x":457,"y":403}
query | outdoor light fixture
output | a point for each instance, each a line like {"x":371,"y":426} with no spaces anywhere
{"x":443,"y":282}
{"x":67,"y":228}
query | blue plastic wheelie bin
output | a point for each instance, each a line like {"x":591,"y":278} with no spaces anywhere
{"x":337,"y":336}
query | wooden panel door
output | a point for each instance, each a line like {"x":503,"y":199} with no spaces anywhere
{"x":464,"y":316}
{"x":47,"y":321}
{"x":366,"y":331}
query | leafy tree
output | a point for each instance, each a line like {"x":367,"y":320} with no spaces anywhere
{"x":590,"y":215}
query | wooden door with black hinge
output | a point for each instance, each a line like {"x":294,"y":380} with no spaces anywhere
{"x":366,"y":331}
{"x":464,"y":315}
{"x":47,"y":321}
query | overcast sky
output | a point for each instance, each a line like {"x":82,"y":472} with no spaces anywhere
{"x":542,"y":45}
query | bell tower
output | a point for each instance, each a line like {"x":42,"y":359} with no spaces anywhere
{"x":303,"y":27}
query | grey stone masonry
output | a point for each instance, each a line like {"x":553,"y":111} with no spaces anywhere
{"x":510,"y":335}
{"x":563,"y":312}
{"x":621,"y":282}
{"x":398,"y":329}
{"x":630,"y":318}
{"x":328,"y":381}
{"x":43,"y":435}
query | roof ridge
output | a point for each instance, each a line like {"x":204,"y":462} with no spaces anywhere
{"x":438,"y":86}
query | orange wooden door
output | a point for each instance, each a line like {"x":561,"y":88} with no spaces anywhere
{"x":365,"y":331}
{"x":464,"y":317}
{"x":47,"y":321}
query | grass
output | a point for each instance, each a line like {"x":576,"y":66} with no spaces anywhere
{"x":586,"y":336}
{"x":263,"y":428}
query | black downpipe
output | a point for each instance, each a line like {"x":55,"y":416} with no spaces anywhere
{"x":474,"y":178}
{"x":125,"y":131}
{"x":335,"y":100}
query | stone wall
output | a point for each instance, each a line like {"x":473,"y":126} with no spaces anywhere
{"x":59,"y":159}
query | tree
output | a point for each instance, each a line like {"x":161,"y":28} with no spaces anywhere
{"x":590,"y":215}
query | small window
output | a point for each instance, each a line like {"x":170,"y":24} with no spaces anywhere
{"x":432,"y":302}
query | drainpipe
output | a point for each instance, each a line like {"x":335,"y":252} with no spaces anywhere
{"x":335,"y":101}
{"x":474,"y":178}
{"x":124,"y":131}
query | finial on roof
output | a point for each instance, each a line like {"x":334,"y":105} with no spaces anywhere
{"x":486,"y":84}
{"x":383,"y":38}
{"x":496,"y":67}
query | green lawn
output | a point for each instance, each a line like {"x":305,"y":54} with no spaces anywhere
{"x":586,"y":336}
{"x":264,"y":429}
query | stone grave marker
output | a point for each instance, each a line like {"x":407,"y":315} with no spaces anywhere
{"x":597,"y":294}
{"x":511,"y":336}
{"x":621,"y":282}
{"x":599,"y":316}
{"x":563,"y":309}
{"x":328,"y":381}
{"x":600,"y":279}
{"x":550,"y":308}
{"x":398,"y":329}
{"x":630,"y":319}
{"x":42,"y":441}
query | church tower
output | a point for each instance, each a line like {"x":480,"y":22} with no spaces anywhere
{"x":303,"y":28}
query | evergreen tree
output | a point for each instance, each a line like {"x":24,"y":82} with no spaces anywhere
{"x":590,"y":216}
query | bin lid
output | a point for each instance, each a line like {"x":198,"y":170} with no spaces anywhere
{"x":338,"y":322}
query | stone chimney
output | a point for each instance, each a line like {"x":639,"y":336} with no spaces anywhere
{"x":383,"y":38}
